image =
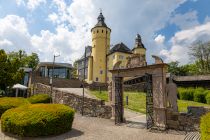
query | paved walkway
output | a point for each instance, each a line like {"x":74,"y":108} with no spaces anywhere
{"x":77,"y":91}
{"x":91,"y":128}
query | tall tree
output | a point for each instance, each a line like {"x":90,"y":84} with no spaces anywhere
{"x":30,"y":61}
{"x":10,"y":72}
{"x":200,"y":53}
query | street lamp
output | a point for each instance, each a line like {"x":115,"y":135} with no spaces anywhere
{"x":83,"y":92}
{"x":52,"y":76}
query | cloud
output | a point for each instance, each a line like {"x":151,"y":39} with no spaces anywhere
{"x":182,"y":40}
{"x":73,"y":21}
{"x":30,"y":4}
{"x":186,"y":20}
{"x":5,"y":42}
{"x":160,"y":39}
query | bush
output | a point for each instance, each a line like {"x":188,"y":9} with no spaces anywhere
{"x":200,"y":95}
{"x":207,"y":96}
{"x":38,"y":120}
{"x":39,"y":98}
{"x":186,"y":93}
{"x":11,"y":102}
{"x":204,"y":127}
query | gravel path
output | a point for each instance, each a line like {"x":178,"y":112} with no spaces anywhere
{"x":91,"y":128}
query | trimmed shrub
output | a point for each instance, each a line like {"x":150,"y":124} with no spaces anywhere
{"x":207,"y":96}
{"x":200,"y":95}
{"x":186,"y":93}
{"x":39,"y":98}
{"x":204,"y":127}
{"x":38,"y":120}
{"x":11,"y":102}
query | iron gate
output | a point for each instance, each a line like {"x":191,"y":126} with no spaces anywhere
{"x":149,"y":101}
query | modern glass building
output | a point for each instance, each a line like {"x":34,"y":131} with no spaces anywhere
{"x":61,"y":70}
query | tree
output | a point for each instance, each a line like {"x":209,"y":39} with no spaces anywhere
{"x":33,"y":61}
{"x":10,"y":72}
{"x":200,"y":52}
{"x":184,"y":70}
{"x":30,"y":61}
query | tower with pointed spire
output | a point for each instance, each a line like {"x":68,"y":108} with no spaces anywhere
{"x":139,"y":46}
{"x":97,"y":71}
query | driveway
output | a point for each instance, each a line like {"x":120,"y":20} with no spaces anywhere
{"x":91,"y":128}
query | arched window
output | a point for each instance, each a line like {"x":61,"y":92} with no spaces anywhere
{"x":102,"y":31}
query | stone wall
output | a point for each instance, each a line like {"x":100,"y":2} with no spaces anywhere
{"x":189,"y":121}
{"x":92,"y":107}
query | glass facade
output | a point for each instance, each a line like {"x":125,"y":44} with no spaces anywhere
{"x":59,"y":72}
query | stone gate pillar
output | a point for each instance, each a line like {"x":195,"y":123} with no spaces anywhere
{"x":117,"y":99}
{"x":159,"y":97}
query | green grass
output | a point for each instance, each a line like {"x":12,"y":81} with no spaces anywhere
{"x":183,"y":104}
{"x":137,"y":101}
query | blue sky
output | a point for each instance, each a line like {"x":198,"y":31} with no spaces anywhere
{"x":62,"y":27}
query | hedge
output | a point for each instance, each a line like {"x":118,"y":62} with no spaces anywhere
{"x":39,"y":98}
{"x":38,"y":120}
{"x":186,"y":93}
{"x":204,"y":127}
{"x":200,"y":95}
{"x":208,"y":97}
{"x":11,"y":102}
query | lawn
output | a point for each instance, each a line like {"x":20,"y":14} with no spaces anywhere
{"x":137,"y":101}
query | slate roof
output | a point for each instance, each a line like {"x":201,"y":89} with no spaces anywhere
{"x":101,"y":22}
{"x":88,"y":53}
{"x":120,"y":47}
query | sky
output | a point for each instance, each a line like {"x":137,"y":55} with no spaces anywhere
{"x":50,"y":27}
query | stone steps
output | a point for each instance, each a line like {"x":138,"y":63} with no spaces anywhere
{"x":193,"y":136}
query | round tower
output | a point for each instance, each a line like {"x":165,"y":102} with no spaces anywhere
{"x":100,"y":47}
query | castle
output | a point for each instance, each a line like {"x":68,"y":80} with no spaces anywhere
{"x":99,"y":58}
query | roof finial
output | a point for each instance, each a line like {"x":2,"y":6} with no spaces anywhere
{"x":100,"y":11}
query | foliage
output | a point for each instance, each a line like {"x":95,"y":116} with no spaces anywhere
{"x":186,"y":93}
{"x":207,"y":97}
{"x":10,"y":73}
{"x":200,"y":52}
{"x":39,"y":98}
{"x":183,"y":70}
{"x":199,"y":95}
{"x":11,"y":102}
{"x":30,"y":61}
{"x":137,"y":101}
{"x":204,"y":127}
{"x":38,"y":120}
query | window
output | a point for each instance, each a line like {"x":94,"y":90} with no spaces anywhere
{"x":101,"y":71}
{"x":121,"y":57}
{"x":97,"y":31}
{"x":102,"y":31}
{"x":106,"y":32}
{"x":96,"y":78}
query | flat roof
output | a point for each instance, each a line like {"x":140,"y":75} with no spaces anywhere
{"x":67,"y":65}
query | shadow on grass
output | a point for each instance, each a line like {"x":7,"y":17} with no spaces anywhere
{"x":70,"y":134}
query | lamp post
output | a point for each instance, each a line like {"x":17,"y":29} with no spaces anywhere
{"x":52,"y":76}
{"x":83,"y":91}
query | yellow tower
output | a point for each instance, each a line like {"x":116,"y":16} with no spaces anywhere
{"x":100,"y":47}
{"x":139,"y":46}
